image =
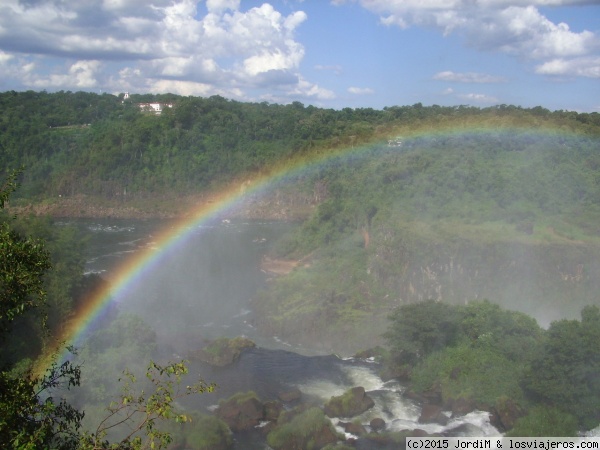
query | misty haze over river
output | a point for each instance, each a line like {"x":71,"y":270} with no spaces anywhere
{"x":203,"y":291}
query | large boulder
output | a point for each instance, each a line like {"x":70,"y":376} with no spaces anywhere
{"x":355,"y":428}
{"x":432,"y":414}
{"x":290,"y":396}
{"x":208,"y":433}
{"x":223,"y":351}
{"x":377,"y":424}
{"x":241,"y":412}
{"x":272,"y":410}
{"x":462,"y":406}
{"x":507,"y":412}
{"x":307,"y":430}
{"x":352,"y":403}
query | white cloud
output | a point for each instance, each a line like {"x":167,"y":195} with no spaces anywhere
{"x":218,"y":6}
{"x":335,"y":68}
{"x":228,"y":49}
{"x":360,"y":91}
{"x":80,"y":75}
{"x":525,"y":32}
{"x":515,"y":27}
{"x":467,"y":77}
{"x":583,"y":67}
{"x":190,"y":88}
{"x":302,"y":90}
{"x":5,"y":57}
{"x":310,"y":90}
{"x":478,"y":98}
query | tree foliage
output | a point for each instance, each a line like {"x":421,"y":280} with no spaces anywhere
{"x":419,"y":329}
{"x":23,"y":262}
{"x":496,"y":354}
{"x":84,"y":143}
{"x":30,"y":417}
{"x":34,"y":411}
{"x":143,"y":412}
{"x":566,"y":373}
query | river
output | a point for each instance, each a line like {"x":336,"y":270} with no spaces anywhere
{"x":203,"y":290}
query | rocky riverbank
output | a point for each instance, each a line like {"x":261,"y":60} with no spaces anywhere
{"x":274,"y":207}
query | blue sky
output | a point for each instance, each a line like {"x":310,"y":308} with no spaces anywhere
{"x":330,"y":53}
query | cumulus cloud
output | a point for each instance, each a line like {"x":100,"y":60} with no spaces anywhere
{"x":583,"y":67}
{"x":5,"y":57}
{"x":360,"y":91}
{"x":467,"y":77}
{"x":310,"y":90}
{"x":162,"y":41}
{"x":80,"y":75}
{"x":220,"y":5}
{"x":514,"y":27}
{"x":478,"y":98}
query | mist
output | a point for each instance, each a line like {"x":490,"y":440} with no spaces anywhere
{"x":456,"y":220}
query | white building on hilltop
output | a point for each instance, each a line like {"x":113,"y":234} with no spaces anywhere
{"x":155,"y":108}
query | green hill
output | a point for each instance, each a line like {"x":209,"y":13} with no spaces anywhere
{"x":410,"y":202}
{"x":506,"y":215}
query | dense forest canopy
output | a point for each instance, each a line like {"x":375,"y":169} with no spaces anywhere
{"x":84,"y":143}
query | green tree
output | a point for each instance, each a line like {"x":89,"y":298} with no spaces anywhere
{"x":418,"y":329}
{"x":30,"y":416}
{"x":566,"y":372}
{"x":142,"y":412}
{"x":23,"y":262}
{"x":545,"y":421}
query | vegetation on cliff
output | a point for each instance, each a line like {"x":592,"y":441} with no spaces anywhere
{"x":35,"y":409}
{"x":511,"y":217}
{"x":502,"y":360}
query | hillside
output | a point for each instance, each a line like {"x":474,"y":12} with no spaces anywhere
{"x":509,"y":216}
{"x":402,"y":204}
{"x":82,"y":145}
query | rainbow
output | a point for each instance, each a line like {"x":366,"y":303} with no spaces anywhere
{"x":134,"y":270}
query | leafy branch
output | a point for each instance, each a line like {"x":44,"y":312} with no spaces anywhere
{"x":140,"y":412}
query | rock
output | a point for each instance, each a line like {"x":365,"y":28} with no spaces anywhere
{"x":508,"y":411}
{"x":355,"y":428}
{"x":265,"y":428}
{"x":290,"y":396}
{"x":433,"y":394}
{"x":208,"y":433}
{"x":462,"y":406}
{"x":241,"y":412}
{"x":377,"y":424}
{"x":464,"y":429}
{"x":392,"y":440}
{"x":391,"y":371}
{"x":325,"y":435}
{"x":288,"y":415}
{"x":432,"y":414}
{"x":352,"y":403}
{"x":376,"y":353}
{"x":223,"y":351}
{"x":414,"y":396}
{"x":309,"y":429}
{"x":417,"y":432}
{"x":272,"y":410}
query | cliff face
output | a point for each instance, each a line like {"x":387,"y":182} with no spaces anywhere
{"x":549,"y":280}
{"x":340,"y":302}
